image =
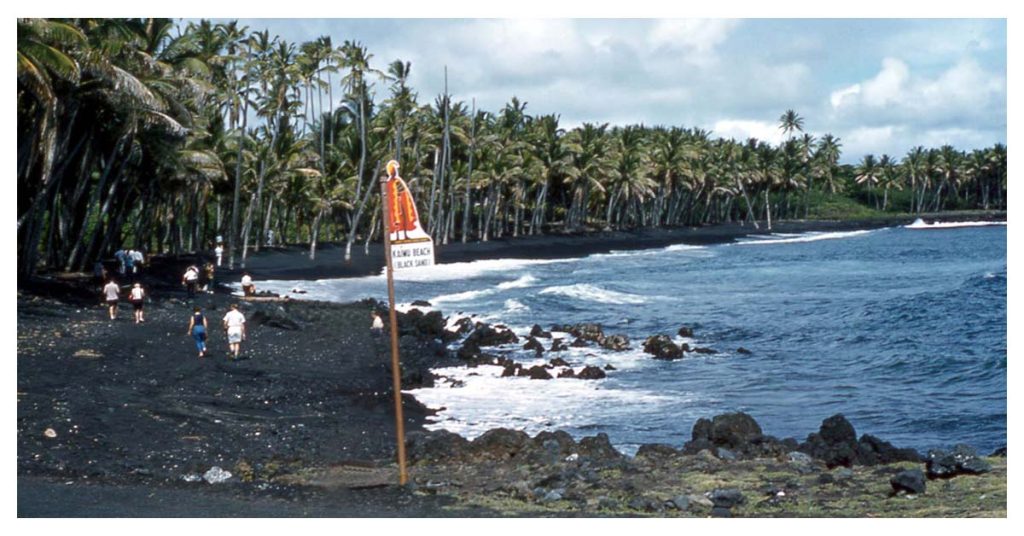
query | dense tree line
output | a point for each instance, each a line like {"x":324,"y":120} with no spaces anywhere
{"x":141,"y":133}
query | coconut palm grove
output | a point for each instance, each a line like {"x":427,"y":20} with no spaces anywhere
{"x":161,"y":136}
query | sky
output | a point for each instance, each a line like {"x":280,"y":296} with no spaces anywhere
{"x":882,"y":86}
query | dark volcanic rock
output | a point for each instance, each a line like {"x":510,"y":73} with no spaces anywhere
{"x":421,"y":303}
{"x":617,"y":343}
{"x":700,"y":350}
{"x":486,"y":335}
{"x":578,"y":343}
{"x":836,"y":429}
{"x":536,"y":331}
{"x":539,"y":373}
{"x":535,"y":345}
{"x":274,"y":317}
{"x":685,"y":332}
{"x":873,"y":451}
{"x":567,"y":373}
{"x":656,"y":451}
{"x":961,"y":460}
{"x":501,"y":443}
{"x":588,"y":332}
{"x":910,"y":481}
{"x":835,"y":443}
{"x":511,"y":369}
{"x":463,"y":326}
{"x":558,"y":346}
{"x":1001,"y":451}
{"x":726,"y":498}
{"x":662,"y":347}
{"x":559,"y":362}
{"x":599,"y":449}
{"x":438,"y":445}
{"x":743,"y":351}
{"x":737,"y":432}
{"x":591,"y":373}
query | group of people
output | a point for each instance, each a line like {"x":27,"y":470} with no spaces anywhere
{"x":128,"y":261}
{"x":233,"y":323}
{"x":195,"y":279}
{"x":137,"y":296}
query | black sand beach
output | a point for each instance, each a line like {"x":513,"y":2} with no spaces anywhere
{"x":117,"y":419}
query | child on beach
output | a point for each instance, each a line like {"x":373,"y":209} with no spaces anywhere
{"x":234,"y":324}
{"x":137,"y":296}
{"x":111,"y":293}
{"x":197,"y":328}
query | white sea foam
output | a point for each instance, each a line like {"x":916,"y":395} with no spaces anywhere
{"x":920,"y":224}
{"x":466,"y":270}
{"x":462,"y":296}
{"x":808,"y":237}
{"x":585,"y":292}
{"x":515,"y":306}
{"x":683,"y":247}
{"x":486,"y":400}
{"x":523,"y":282}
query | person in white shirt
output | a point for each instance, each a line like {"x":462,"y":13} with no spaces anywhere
{"x":139,"y":260}
{"x":111,"y":293}
{"x":234,"y":323}
{"x":191,"y":280}
{"x":247,"y":287}
{"x":219,"y":252}
{"x":137,"y":297}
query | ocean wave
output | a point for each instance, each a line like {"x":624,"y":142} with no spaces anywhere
{"x":467,"y":270}
{"x":515,"y":306}
{"x":585,"y":292}
{"x":523,"y":282}
{"x":462,"y":296}
{"x":808,"y":237}
{"x":920,"y":224}
{"x":683,"y":247}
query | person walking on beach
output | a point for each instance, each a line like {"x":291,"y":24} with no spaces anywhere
{"x":219,"y":252}
{"x":248,"y":288}
{"x":111,"y":293}
{"x":137,"y":297}
{"x":190,"y":280}
{"x":197,"y":328}
{"x":139,"y":258}
{"x":210,"y":271}
{"x":234,"y":324}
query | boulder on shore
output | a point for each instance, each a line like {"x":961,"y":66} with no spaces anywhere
{"x":910,"y":481}
{"x":662,"y":347}
{"x":960,"y":460}
{"x":616,"y":343}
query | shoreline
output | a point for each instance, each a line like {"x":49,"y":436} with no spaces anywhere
{"x":292,"y":262}
{"x":133,"y":409}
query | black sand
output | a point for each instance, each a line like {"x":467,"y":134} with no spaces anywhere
{"x":133,"y":408}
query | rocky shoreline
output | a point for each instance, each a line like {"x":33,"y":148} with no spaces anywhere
{"x":303,"y":425}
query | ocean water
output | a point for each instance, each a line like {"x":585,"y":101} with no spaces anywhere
{"x":902,"y":331}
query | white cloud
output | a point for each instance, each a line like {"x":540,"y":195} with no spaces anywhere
{"x":963,"y":90}
{"x":844,"y":96}
{"x":874,"y":140}
{"x":741,"y":129}
{"x":888,"y":86}
{"x":697,"y":39}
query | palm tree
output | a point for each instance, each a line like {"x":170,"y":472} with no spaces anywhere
{"x":867,"y":172}
{"x":790,"y":122}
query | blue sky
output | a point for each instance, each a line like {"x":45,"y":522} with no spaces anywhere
{"x":881,"y":85}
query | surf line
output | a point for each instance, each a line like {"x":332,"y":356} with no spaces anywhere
{"x":404,"y":238}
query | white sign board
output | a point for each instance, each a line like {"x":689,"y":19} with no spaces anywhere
{"x":412,"y":254}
